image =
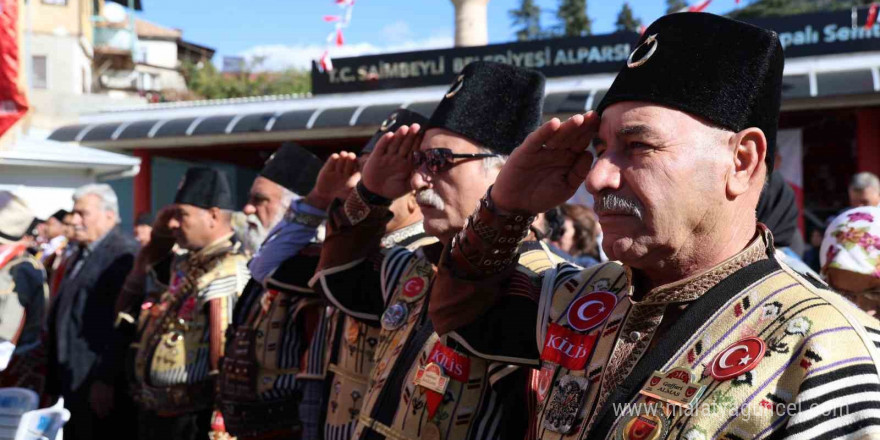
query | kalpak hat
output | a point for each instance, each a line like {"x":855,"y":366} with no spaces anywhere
{"x":395,"y":120}
{"x":495,"y":105}
{"x":724,"y":71}
{"x":204,"y":188}
{"x":293,"y":167}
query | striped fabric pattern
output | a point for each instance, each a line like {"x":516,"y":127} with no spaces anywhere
{"x":839,"y":404}
{"x":343,"y":432}
{"x":196,"y":371}
{"x":395,"y":263}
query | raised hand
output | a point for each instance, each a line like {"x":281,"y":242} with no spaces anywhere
{"x":337,"y":178}
{"x":548,"y":167}
{"x":389,"y":167}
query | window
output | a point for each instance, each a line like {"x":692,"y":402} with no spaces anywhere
{"x":40,"y":68}
{"x":55,"y":2}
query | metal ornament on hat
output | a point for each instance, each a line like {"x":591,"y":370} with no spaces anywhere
{"x":652,"y":43}
{"x":388,"y":123}
{"x":456,"y":86}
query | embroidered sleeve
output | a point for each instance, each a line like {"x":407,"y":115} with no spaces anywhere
{"x":348,"y":273}
{"x":287,"y":239}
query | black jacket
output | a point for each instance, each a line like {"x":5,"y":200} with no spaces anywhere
{"x":81,"y":333}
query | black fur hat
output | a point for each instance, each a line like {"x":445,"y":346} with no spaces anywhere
{"x":205,"y":188}
{"x":395,"y":120}
{"x":722,"y":70}
{"x":495,"y":105}
{"x":293,"y":167}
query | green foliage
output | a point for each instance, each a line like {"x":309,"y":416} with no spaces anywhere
{"x":206,"y":82}
{"x":765,"y":8}
{"x":527,"y":20}
{"x":675,"y":5}
{"x":573,"y":19}
{"x":626,"y":21}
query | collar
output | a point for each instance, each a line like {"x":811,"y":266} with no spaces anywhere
{"x":223,"y":244}
{"x":394,"y":237}
{"x":91,"y":246}
{"x":691,"y":288}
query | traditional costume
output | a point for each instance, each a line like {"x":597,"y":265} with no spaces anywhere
{"x":747,"y":349}
{"x":271,"y":382}
{"x":23,"y":298}
{"x":183,"y":334}
{"x":352,"y":342}
{"x":424,"y":385}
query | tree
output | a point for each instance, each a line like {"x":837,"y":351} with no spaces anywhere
{"x":626,"y":21}
{"x":675,"y":5}
{"x":206,"y":82}
{"x":573,"y":19}
{"x":527,"y":20}
{"x":765,"y":8}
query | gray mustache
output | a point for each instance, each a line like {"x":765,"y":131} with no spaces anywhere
{"x":429,"y":197}
{"x":614,"y":204}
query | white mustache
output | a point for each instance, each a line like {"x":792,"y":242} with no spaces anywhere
{"x":429,"y":197}
{"x":614,"y":204}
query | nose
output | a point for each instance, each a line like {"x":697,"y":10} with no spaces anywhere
{"x":419,"y":180}
{"x":173,"y":223}
{"x":605,"y":174}
{"x":249,"y":209}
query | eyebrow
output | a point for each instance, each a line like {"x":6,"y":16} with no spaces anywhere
{"x":630,"y":130}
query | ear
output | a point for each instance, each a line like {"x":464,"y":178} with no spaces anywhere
{"x":749,"y":152}
{"x":214,"y":214}
{"x":411,"y":204}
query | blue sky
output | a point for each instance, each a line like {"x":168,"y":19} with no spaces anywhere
{"x":290,"y":32}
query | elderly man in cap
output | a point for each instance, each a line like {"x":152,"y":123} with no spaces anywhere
{"x":23,"y":295}
{"x":289,"y":171}
{"x":698,"y":331}
{"x":183,"y":333}
{"x":81,"y":338}
{"x":424,"y":385}
{"x":279,"y":297}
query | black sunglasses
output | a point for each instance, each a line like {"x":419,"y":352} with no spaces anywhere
{"x":438,"y":160}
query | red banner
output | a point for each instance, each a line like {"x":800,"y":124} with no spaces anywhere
{"x":13,"y":102}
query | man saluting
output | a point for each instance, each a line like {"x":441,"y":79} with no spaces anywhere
{"x":698,"y":332}
{"x":424,"y":385}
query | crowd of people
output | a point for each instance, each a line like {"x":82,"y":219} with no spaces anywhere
{"x":438,"y":284}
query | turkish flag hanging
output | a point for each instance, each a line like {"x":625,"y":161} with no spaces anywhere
{"x":13,"y":102}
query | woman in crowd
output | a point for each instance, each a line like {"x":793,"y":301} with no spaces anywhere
{"x":850,"y":256}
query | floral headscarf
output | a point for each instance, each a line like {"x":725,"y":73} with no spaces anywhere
{"x":852,"y":242}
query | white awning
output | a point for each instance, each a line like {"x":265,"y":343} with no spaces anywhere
{"x":43,"y":153}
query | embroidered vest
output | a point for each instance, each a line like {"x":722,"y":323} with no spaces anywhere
{"x":422,"y":412}
{"x":172,"y":359}
{"x":355,"y":344}
{"x":779,"y":354}
{"x":264,"y":362}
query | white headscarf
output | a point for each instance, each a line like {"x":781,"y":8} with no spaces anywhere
{"x":852,"y":242}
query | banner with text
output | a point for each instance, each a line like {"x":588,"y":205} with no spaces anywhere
{"x":801,"y":35}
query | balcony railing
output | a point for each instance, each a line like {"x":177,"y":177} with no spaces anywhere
{"x":115,"y":38}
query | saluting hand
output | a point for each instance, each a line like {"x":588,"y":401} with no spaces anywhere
{"x":549,"y":166}
{"x":337,"y":178}
{"x":389,"y":167}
